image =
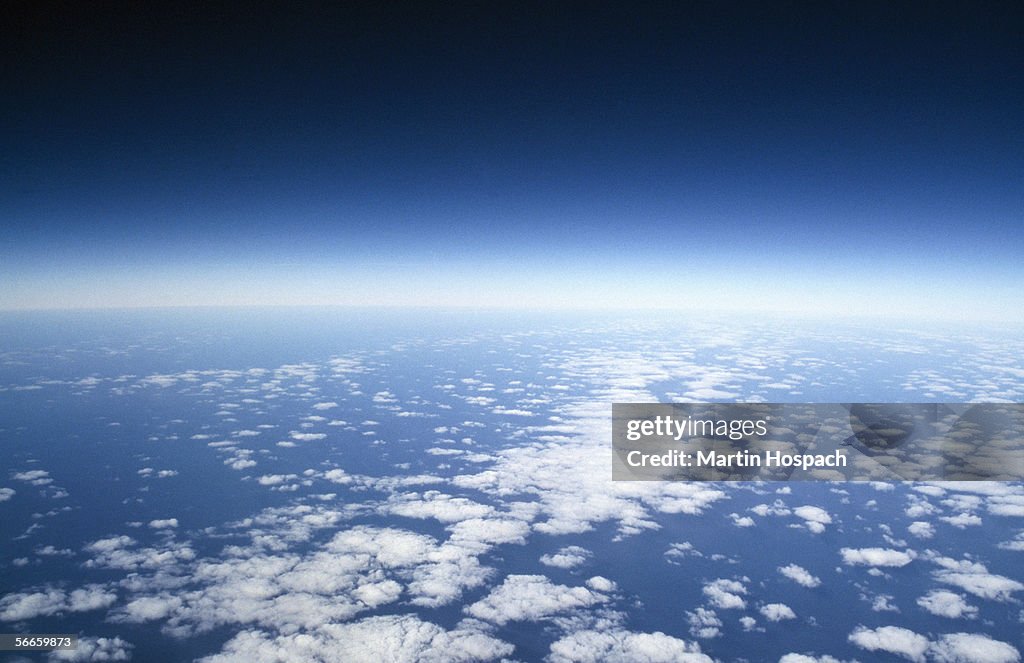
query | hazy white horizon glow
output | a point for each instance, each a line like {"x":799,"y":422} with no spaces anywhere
{"x":806,"y":290}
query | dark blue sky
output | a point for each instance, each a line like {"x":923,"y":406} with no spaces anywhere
{"x":843,"y":155}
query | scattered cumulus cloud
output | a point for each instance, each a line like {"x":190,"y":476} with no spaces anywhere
{"x":777,"y":612}
{"x":621,"y":646}
{"x":726,"y":594}
{"x":946,"y":604}
{"x":877,"y":557}
{"x":800,"y":575}
{"x":892,"y":639}
{"x":531,"y":598}
{"x":566,"y":558}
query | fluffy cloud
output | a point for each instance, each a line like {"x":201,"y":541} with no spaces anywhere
{"x":147,"y":608}
{"x":985,"y":585}
{"x":357,"y":569}
{"x":741,"y":521}
{"x":776,"y":612}
{"x":704,"y":623}
{"x":946,"y":604}
{"x":307,"y":437}
{"x":95,"y":649}
{"x":119,"y":552}
{"x":677,"y":551}
{"x":877,"y":556}
{"x":778,"y":508}
{"x":531,"y":598}
{"x":972,"y":648}
{"x":601,"y":584}
{"x":974,"y":578}
{"x":1006,"y":505}
{"x":34,"y":477}
{"x":1016,"y":544}
{"x":725,"y":594}
{"x":962,"y":520}
{"x":567,"y":557}
{"x":50,"y":601}
{"x":392,"y":638}
{"x":893,"y":639}
{"x":815,"y":518}
{"x":619,"y":646}
{"x":565,"y":473}
{"x":436,"y":505}
{"x":921,"y":529}
{"x":480,"y":534}
{"x":800,"y":575}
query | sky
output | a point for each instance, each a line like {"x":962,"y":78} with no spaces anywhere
{"x":806,"y":157}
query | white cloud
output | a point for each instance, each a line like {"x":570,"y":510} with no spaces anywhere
{"x":6,"y":494}
{"x":946,"y":604}
{"x":985,"y":585}
{"x":34,"y":477}
{"x":725,"y":594}
{"x":164,"y":523}
{"x":479,"y":534}
{"x":565,"y":472}
{"x":357,"y":569}
{"x":567,"y":557}
{"x":50,"y":601}
{"x":680,"y":551}
{"x":921,"y":529}
{"x":883,"y":603}
{"x":815,"y":518}
{"x":392,"y":638}
{"x":95,"y":649}
{"x":374,"y":594}
{"x":1016,"y":544}
{"x":1006,"y":505}
{"x":325,"y":406}
{"x":918,"y":507}
{"x":514,"y":412}
{"x":531,"y":598}
{"x":741,"y":521}
{"x":800,"y":575}
{"x":276,"y":479}
{"x":804,"y":658}
{"x":619,"y":646}
{"x":974,"y":578}
{"x":338,"y":476}
{"x":962,"y":520}
{"x":776,"y":612}
{"x":307,"y":437}
{"x":704,"y":623}
{"x":877,"y":556}
{"x":893,"y":639}
{"x":147,"y":608}
{"x":436,"y":505}
{"x":601,"y":584}
{"x":972,"y":648}
{"x":778,"y":508}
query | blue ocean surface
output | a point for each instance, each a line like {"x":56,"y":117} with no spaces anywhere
{"x":361,"y":485}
